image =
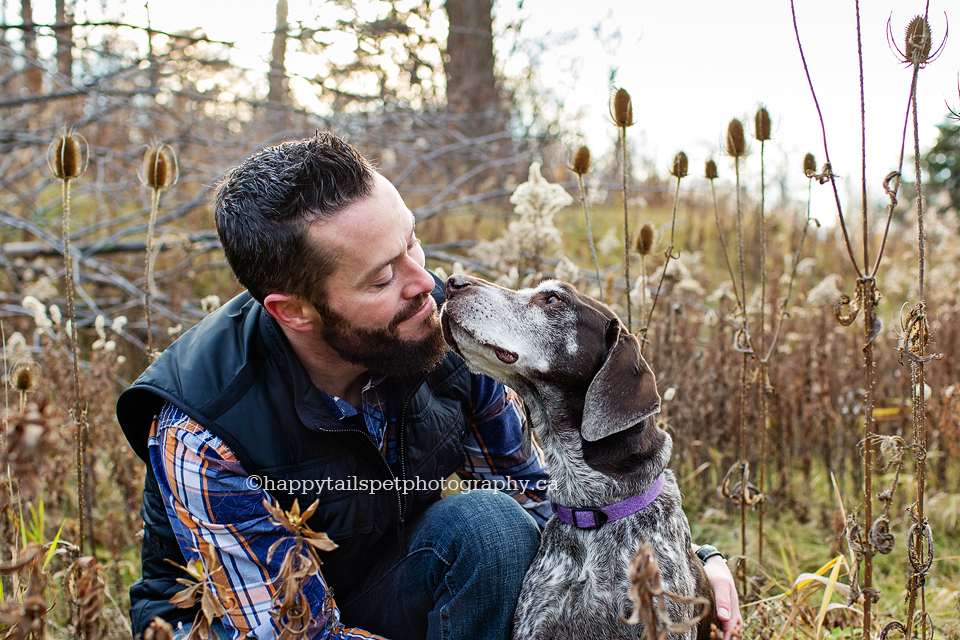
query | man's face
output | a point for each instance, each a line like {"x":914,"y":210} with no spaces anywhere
{"x":377,"y":310}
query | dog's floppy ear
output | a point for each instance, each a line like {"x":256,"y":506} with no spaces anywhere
{"x":623,"y":392}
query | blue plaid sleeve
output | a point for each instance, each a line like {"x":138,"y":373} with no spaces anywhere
{"x":214,"y":506}
{"x":493,"y":448}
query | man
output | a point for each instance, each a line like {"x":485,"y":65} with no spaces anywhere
{"x":329,"y":380}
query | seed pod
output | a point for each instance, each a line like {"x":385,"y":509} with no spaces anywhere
{"x":158,"y":168}
{"x":622,"y":109}
{"x":736,"y":142}
{"x":679,"y":168}
{"x":25,"y":377}
{"x":761,"y":123}
{"x":67,"y":155}
{"x":644,"y":244}
{"x":918,"y":41}
{"x":710,"y":171}
{"x":809,"y":165}
{"x":581,"y":162}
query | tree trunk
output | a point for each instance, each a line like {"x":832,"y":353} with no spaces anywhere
{"x":64,"y":37}
{"x":278,"y":72}
{"x":472,"y":90}
{"x":32,"y":73}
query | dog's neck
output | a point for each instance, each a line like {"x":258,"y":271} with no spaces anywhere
{"x":592,"y":474}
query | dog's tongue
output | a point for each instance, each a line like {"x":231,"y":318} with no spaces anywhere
{"x":509,"y":357}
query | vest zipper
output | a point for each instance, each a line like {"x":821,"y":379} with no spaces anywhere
{"x":401,"y":451}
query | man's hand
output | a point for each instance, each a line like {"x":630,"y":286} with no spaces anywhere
{"x":725,"y":592}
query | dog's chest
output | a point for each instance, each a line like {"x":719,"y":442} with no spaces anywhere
{"x":577,"y":585}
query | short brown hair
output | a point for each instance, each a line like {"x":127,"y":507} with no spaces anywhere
{"x":265,"y":206}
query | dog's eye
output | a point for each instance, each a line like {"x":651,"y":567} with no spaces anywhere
{"x":551,"y":298}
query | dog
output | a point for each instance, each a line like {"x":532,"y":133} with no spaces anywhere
{"x":590,"y":397}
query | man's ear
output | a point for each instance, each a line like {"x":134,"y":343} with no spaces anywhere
{"x":295,"y":314}
{"x":623,"y":392}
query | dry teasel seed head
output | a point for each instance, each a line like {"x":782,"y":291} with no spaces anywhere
{"x":581,"y":161}
{"x":809,"y":165}
{"x":621,"y":109}
{"x":158,"y":167}
{"x":761,"y":124}
{"x":67,"y":155}
{"x":710,"y":170}
{"x":736,"y":142}
{"x":918,"y":41}
{"x":645,"y":240}
{"x":679,"y":168}
{"x":159,"y":629}
{"x":25,"y":376}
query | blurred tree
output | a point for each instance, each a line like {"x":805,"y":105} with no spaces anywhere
{"x":64,"y":34}
{"x":277,"y":92}
{"x":469,"y":66}
{"x":32,"y":73}
{"x":943,"y":163}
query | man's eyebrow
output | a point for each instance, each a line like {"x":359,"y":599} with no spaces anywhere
{"x":371,"y":274}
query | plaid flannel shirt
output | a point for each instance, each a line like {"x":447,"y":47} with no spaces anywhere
{"x":214,"y":507}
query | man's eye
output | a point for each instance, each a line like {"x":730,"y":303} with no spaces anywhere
{"x":381,"y":285}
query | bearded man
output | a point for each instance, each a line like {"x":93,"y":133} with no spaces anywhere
{"x":329,"y":381}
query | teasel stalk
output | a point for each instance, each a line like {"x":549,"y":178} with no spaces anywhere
{"x":643,"y":247}
{"x":580,"y":166}
{"x":761,"y":132}
{"x":621,"y":110}
{"x":67,"y":158}
{"x":736,"y":147}
{"x":917,"y":52}
{"x":679,"y":171}
{"x":710,"y":173}
{"x":158,"y":171}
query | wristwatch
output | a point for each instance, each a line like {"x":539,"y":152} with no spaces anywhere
{"x":706,"y":551}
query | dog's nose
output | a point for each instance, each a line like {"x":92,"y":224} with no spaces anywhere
{"x":456,"y":283}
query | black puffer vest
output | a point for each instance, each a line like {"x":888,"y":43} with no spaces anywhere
{"x":236,"y":374}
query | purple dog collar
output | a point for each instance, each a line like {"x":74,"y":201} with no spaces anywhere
{"x":594,"y":518}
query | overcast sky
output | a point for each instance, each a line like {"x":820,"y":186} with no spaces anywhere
{"x":690,"y":66}
{"x":693,"y":65}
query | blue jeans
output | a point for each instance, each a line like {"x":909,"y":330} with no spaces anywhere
{"x":456,"y":577}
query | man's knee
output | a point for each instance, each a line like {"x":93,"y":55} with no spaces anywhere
{"x":491,"y":527}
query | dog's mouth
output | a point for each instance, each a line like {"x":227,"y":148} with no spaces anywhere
{"x":503,"y":355}
{"x":507,"y":357}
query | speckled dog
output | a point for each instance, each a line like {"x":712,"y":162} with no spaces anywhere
{"x":590,"y":397}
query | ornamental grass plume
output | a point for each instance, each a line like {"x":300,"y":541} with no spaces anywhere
{"x":67,"y":157}
{"x":580,"y":166}
{"x":158,"y":171}
{"x":621,"y":110}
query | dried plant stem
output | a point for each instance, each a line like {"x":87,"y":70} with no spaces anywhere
{"x":79,"y":418}
{"x":668,"y":255}
{"x":762,"y":384}
{"x":742,"y":567}
{"x":148,"y":271}
{"x":870,"y":366}
{"x":626,"y":225}
{"x":919,"y":401}
{"x":593,"y":250}
{"x":823,"y":129}
{"x":723,"y":245}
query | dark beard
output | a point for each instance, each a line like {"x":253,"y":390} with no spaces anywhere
{"x":381,"y":350}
